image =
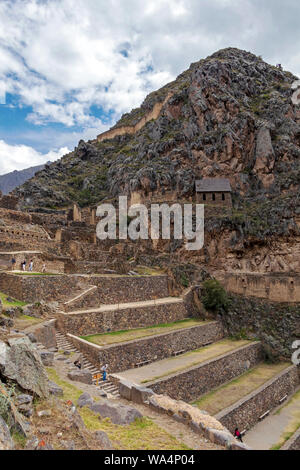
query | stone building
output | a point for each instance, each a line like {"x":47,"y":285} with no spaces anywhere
{"x":214,"y":192}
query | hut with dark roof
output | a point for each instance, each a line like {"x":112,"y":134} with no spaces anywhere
{"x":214,"y":191}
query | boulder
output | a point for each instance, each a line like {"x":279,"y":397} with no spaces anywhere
{"x":26,"y":410}
{"x":85,"y":400}
{"x":47,"y":358}
{"x":118,"y":414}
{"x":103,"y":440}
{"x":82,"y":376}
{"x":6,"y":322}
{"x":24,"y":400}
{"x":54,"y":389}
{"x":6,"y":442}
{"x":21,"y":363}
{"x":32,"y":337}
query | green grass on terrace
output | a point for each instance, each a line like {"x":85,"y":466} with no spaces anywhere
{"x":127,"y":335}
{"x":15,"y":303}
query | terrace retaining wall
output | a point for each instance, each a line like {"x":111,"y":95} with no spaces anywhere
{"x":127,"y":355}
{"x":188,"y":385}
{"x":246,"y":412}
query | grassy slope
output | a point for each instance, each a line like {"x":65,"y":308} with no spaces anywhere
{"x":143,"y":434}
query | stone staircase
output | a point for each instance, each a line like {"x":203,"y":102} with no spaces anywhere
{"x":108,"y":387}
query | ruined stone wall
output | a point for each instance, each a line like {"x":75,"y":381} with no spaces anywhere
{"x":9,"y":202}
{"x":15,"y":216}
{"x":122,"y":130}
{"x":44,"y":333}
{"x":122,"y":289}
{"x":245,"y":413}
{"x":274,"y":287}
{"x":88,"y":323}
{"x":127,"y":355}
{"x":191,"y":384}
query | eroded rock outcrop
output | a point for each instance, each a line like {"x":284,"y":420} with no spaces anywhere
{"x":20,"y":362}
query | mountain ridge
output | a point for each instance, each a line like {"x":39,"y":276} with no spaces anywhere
{"x":13,"y":179}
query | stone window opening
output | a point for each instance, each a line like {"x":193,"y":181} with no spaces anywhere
{"x":204,"y":197}
{"x":213,"y":197}
{"x":223,"y":197}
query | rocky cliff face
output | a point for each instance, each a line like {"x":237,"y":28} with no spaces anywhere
{"x":230,"y":115}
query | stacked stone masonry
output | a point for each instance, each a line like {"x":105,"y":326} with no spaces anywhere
{"x":127,"y":355}
{"x":189,"y":385}
{"x":245,"y":413}
{"x":88,"y":323}
{"x":121,"y":289}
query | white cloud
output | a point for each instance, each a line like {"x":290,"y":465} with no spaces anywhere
{"x":62,"y":57}
{"x":19,"y":157}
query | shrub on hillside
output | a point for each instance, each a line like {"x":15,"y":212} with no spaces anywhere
{"x":215,"y":297}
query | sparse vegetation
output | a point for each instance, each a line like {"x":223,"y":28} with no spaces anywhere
{"x":215,"y":297}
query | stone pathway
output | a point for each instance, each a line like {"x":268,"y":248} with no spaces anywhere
{"x":123,"y":306}
{"x":172,"y":365}
{"x":271,"y":430}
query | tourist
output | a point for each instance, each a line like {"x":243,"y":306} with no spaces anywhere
{"x":238,"y":435}
{"x":77,"y":363}
{"x":44,"y":268}
{"x":23,"y":265}
{"x":104,"y":372}
{"x":13,"y":264}
{"x":31,"y":266}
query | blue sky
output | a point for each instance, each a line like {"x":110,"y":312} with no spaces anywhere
{"x":70,"y":68}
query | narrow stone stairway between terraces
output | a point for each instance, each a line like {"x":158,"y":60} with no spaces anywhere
{"x":108,"y":387}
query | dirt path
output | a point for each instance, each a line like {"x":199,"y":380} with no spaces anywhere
{"x":276,"y":428}
{"x":124,"y":306}
{"x":182,"y":432}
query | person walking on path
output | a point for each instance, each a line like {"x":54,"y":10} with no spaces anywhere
{"x":104,"y":372}
{"x":31,"y":266}
{"x":13,"y":264}
{"x":44,"y":268}
{"x":238,"y":435}
{"x":77,"y":364}
{"x":23,"y":265}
